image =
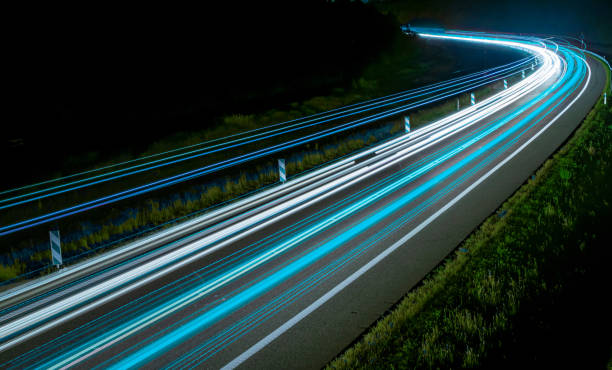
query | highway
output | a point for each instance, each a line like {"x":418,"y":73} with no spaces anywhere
{"x":288,"y":277}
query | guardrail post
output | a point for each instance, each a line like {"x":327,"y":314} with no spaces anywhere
{"x":472,"y":98}
{"x":407,"y":124}
{"x":56,"y":248}
{"x":505,"y":84}
{"x":282,"y":173}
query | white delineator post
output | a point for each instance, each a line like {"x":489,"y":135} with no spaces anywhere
{"x":56,"y":248}
{"x":282,"y":173}
{"x":605,"y":98}
{"x":523,"y":73}
{"x":407,"y":124}
{"x":472,"y":98}
{"x":458,"y":106}
{"x":505,"y":84}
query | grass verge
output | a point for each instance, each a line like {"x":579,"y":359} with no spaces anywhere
{"x":526,"y":287}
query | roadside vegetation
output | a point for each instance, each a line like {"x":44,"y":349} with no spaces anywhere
{"x":530,"y":285}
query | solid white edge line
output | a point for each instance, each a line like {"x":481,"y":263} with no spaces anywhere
{"x":327,"y":296}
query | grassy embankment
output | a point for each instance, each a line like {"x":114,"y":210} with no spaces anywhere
{"x":528,"y":287}
{"x":152,"y":213}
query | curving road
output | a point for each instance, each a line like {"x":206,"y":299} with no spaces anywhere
{"x":289,"y":277}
